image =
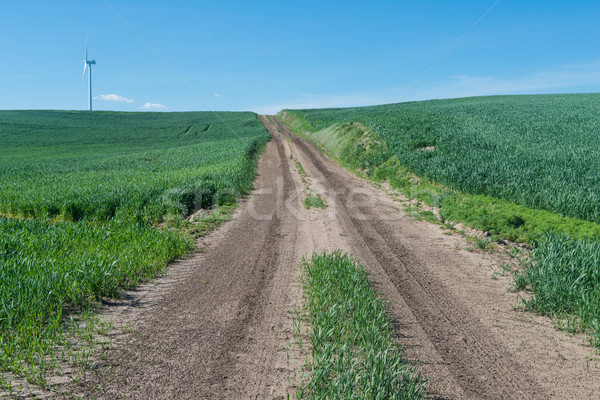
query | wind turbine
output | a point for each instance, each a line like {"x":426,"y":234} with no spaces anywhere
{"x":87,"y":62}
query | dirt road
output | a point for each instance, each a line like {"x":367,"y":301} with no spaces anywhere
{"x":217,"y":329}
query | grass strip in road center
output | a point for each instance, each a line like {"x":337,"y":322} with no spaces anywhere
{"x":353,"y":352}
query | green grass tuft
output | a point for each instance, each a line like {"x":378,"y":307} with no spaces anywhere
{"x":564,"y":277}
{"x":315,"y":201}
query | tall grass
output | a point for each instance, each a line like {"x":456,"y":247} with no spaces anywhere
{"x":539,"y":151}
{"x":522,"y":168}
{"x":564,"y":277}
{"x":47,"y":268}
{"x":353,"y":352}
{"x":134,"y":166}
{"x":81,"y":198}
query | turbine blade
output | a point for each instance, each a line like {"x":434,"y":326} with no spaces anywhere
{"x":86,"y":46}
{"x":84,"y":68}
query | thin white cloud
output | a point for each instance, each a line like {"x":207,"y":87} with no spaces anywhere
{"x":114,"y":97}
{"x":566,"y":79}
{"x":217,"y":95}
{"x":569,"y":78}
{"x":153,"y":106}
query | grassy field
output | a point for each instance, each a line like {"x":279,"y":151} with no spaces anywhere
{"x":86,"y":200}
{"x":522,"y":168}
{"x":353,"y":352}
{"x":133,"y":166}
{"x":542,"y":152}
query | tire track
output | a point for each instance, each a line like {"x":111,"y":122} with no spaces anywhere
{"x":478,"y":362}
{"x":218,"y":332}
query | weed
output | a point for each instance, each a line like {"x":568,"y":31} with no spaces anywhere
{"x":428,"y":216}
{"x":314,"y":200}
{"x":302,"y":172}
{"x":482,"y":243}
{"x":207,"y":221}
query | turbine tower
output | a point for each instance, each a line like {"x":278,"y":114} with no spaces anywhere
{"x":87,"y":62}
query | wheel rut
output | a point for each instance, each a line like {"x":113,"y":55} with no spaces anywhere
{"x":477,"y":362}
{"x":219,"y":331}
{"x":219,"y":328}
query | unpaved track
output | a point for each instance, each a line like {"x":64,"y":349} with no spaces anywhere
{"x":220,"y":331}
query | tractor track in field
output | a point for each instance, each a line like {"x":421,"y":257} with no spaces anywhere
{"x":219,"y":331}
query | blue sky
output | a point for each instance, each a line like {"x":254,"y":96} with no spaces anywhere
{"x":268,"y":55}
